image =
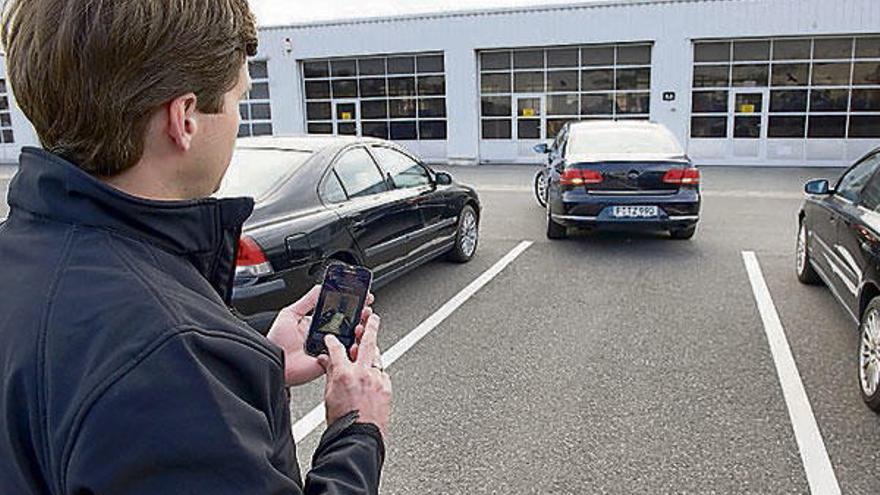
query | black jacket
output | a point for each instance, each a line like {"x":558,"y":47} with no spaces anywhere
{"x":123,"y":370}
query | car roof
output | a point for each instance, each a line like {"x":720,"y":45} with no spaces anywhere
{"x":587,"y":125}
{"x":621,"y":127}
{"x":300,"y":142}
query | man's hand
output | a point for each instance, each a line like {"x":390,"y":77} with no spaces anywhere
{"x":289,"y":333}
{"x":361,"y":385}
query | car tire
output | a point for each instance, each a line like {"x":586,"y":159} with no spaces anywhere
{"x":806,"y":274}
{"x":467,"y":236}
{"x":555,"y":230}
{"x":684,"y":234}
{"x":541,"y":188}
{"x":869,"y":355}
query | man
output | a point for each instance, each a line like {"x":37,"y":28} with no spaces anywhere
{"x":122,"y":368}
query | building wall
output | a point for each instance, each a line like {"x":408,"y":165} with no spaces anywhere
{"x":22,"y":132}
{"x":671,"y":25}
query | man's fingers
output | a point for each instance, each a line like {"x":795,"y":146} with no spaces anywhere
{"x":368,"y":350}
{"x":359,"y":332}
{"x":306,"y":303}
{"x":370,"y":299}
{"x":354,"y":352}
{"x":336,"y":351}
{"x":366,"y":315}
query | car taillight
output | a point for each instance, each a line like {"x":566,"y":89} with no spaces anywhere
{"x":684,"y":176}
{"x":251,"y":261}
{"x":579,"y":177}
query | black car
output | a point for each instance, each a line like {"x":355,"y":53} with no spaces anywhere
{"x":321,"y":200}
{"x":839,"y":244}
{"x":620,"y":175}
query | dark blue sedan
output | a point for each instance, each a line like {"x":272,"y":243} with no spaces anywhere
{"x":620,"y":176}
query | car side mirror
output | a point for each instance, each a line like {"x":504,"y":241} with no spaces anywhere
{"x":442,"y":179}
{"x":542,"y":148}
{"x":818,"y":187}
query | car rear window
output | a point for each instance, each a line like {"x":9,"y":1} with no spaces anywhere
{"x":623,"y":140}
{"x":254,"y":172}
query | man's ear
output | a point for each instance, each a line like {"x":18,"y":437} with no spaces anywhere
{"x":182,"y":122}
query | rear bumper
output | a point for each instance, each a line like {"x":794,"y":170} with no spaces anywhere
{"x":579,"y":209}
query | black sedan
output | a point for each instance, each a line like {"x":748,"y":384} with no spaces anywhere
{"x":620,"y":175}
{"x":839,"y":244}
{"x":321,"y":200}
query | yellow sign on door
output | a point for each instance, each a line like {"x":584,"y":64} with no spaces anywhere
{"x":528,"y":112}
{"x":346,"y":115}
{"x":747,"y":108}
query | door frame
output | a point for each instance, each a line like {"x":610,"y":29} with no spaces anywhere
{"x":542,"y":118}
{"x":763,"y":114}
{"x":357,"y":116}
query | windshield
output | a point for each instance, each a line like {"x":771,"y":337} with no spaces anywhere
{"x":626,"y":140}
{"x":253,"y":172}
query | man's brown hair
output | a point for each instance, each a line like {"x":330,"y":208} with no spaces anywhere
{"x":89,"y":73}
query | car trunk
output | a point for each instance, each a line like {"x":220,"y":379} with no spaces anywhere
{"x":632,"y":177}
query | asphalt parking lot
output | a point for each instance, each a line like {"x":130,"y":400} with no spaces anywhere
{"x":612,"y":363}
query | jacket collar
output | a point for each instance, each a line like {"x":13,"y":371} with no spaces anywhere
{"x":203,"y":231}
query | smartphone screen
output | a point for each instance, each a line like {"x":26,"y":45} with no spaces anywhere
{"x":339,"y":307}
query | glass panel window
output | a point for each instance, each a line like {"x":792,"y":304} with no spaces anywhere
{"x":317,"y":90}
{"x":429,"y":63}
{"x":528,"y":59}
{"x":563,"y":104}
{"x":529,"y":107}
{"x":709,"y":127}
{"x":258,"y":69}
{"x":528,"y":128}
{"x":244,"y":111}
{"x":402,"y":86}
{"x":371,"y":88}
{"x":562,"y":81}
{"x":851,"y":184}
{"x":401,"y":65}
{"x":597,"y":80}
{"x":864,"y":126}
{"x":866,"y":73}
{"x":749,"y":103}
{"x":829,"y":100}
{"x":432,"y":107}
{"x":405,"y":172}
{"x":597,"y":104}
{"x":316,"y":69}
{"x":827,"y":126}
{"x":432,"y":85}
{"x":405,"y":108}
{"x":261,"y":129}
{"x":566,"y":57}
{"x":788,"y":101}
{"x":497,"y":129}
{"x":318,"y":111}
{"x":358,"y":173}
{"x":432,"y":129}
{"x":750,"y":75}
{"x":495,"y":60}
{"x":633,"y":102}
{"x":5,"y":120}
{"x":712,"y":52}
{"x":405,"y":131}
{"x":747,"y":127}
{"x":261,"y":111}
{"x":866,"y":100}
{"x":495,"y":83}
{"x":345,"y":88}
{"x":787,"y":126}
{"x":554,"y":126}
{"x":597,"y":56}
{"x":711,"y":76}
{"x":343,"y":68}
{"x":320,"y":128}
{"x":827,"y":74}
{"x":331,"y":189}
{"x":634,"y":55}
{"x":709,"y":101}
{"x":375,"y":129}
{"x":371,"y":66}
{"x":259,"y":91}
{"x":791,"y":50}
{"x":628,"y":79}
{"x":374,"y":109}
{"x":791,"y":75}
{"x":528,"y":82}
{"x":868,"y":47}
{"x":496,"y":106}
{"x":751,"y":50}
{"x":834,"y":48}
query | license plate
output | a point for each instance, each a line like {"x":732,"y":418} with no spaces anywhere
{"x":634,"y":211}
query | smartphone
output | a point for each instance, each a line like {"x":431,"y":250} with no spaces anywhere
{"x":339,"y":307}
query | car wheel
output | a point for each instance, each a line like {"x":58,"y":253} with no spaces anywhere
{"x":541,"y":188}
{"x":869,"y":355}
{"x":805,"y":272}
{"x":555,"y":230}
{"x":683,"y":234}
{"x":467,"y":236}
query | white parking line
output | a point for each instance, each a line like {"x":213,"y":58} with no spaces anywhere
{"x":820,"y":473}
{"x":311,"y":421}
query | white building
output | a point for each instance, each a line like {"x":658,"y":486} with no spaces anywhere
{"x":740,"y":82}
